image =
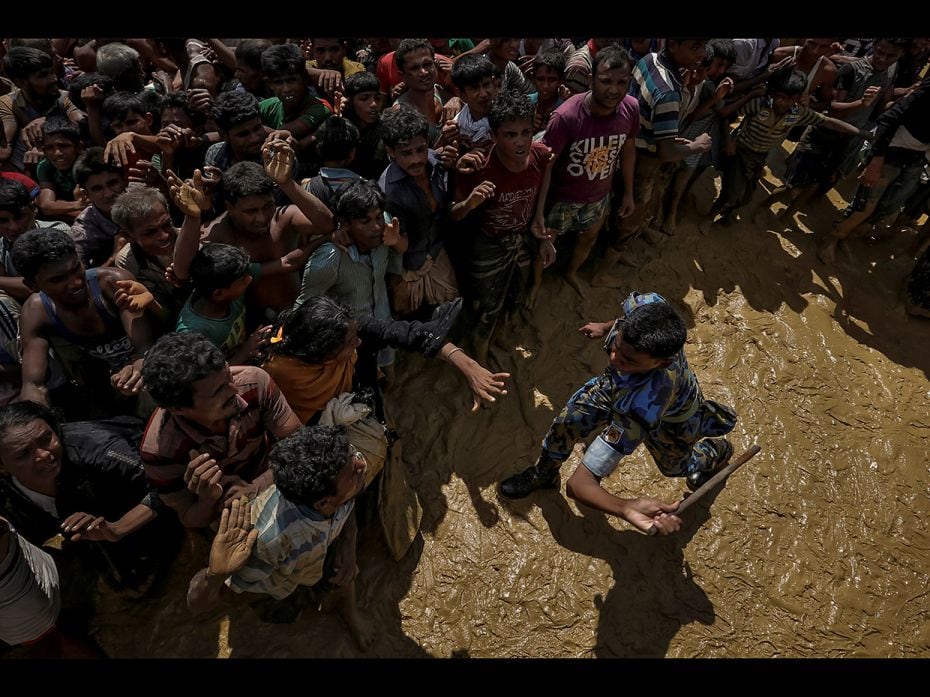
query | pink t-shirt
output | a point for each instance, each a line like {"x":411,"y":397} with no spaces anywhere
{"x":587,"y":148}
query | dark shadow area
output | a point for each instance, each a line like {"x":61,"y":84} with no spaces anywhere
{"x":381,"y":584}
{"x":654,"y":593}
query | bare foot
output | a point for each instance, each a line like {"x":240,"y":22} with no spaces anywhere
{"x":572,"y":280}
{"x":530,"y":301}
{"x":759,"y":214}
{"x":362,"y":628}
{"x":826,"y":251}
{"x":668,"y":227}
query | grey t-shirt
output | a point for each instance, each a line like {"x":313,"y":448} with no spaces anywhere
{"x":855,"y":78}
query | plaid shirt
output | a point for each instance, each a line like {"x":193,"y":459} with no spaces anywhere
{"x":242,"y":450}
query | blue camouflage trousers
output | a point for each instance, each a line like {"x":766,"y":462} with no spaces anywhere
{"x":680,"y":444}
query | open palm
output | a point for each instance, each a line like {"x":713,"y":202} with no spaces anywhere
{"x":234,"y":542}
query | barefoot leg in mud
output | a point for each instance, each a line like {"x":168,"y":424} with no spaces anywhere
{"x":530,"y":302}
{"x":360,"y":625}
{"x":583,"y":247}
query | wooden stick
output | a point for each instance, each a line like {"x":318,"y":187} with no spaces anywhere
{"x":713,"y":481}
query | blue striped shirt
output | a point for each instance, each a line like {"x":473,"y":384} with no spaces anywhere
{"x":291,"y":546}
{"x":657,"y":87}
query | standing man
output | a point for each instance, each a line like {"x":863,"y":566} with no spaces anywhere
{"x":588,"y":134}
{"x":657,"y":84}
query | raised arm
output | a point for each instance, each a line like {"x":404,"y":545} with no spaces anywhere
{"x":235,"y":539}
{"x":136,"y":324}
{"x":191,"y":198}
{"x":278,"y":157}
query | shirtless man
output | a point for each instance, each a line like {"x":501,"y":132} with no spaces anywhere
{"x":252,"y":221}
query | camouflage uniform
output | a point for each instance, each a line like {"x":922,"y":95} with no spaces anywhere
{"x":663,"y":408}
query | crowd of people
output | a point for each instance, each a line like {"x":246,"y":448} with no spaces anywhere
{"x":211,"y":250}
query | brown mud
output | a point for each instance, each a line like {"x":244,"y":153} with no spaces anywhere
{"x":818,"y":547}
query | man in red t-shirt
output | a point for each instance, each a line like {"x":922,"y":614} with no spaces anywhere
{"x":501,"y":197}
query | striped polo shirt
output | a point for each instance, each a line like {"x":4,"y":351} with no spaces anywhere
{"x":762,"y":129}
{"x":657,"y":86}
{"x":291,"y":546}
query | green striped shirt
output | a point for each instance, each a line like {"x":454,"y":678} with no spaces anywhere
{"x":762,"y":129}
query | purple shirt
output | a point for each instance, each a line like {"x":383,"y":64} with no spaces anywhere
{"x":587,"y":147}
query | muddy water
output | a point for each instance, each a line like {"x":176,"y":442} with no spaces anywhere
{"x":818,"y":547}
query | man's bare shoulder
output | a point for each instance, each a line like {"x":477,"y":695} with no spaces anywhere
{"x":218,"y":230}
{"x":34,"y":314}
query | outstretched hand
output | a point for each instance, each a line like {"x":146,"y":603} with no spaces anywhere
{"x":471,"y":162}
{"x":234,"y":540}
{"x":87,"y":526}
{"x":119,"y":149}
{"x":484,"y":384}
{"x":189,"y":196}
{"x":278,"y":158}
{"x":128,"y":380}
{"x":391,"y":235}
{"x":132,"y":296}
{"x":594,"y":330}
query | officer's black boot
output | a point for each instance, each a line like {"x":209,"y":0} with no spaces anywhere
{"x":542,"y":475}
{"x":698,"y":479}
